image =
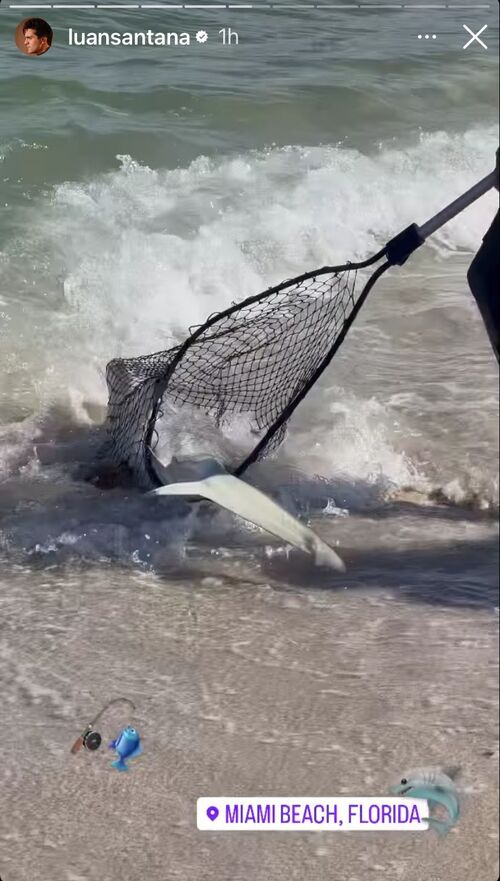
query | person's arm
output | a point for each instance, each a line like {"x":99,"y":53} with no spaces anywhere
{"x":484,"y":279}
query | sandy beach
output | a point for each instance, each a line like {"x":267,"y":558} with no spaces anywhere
{"x":245,"y":684}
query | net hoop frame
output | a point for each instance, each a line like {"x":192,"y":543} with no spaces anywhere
{"x":162,"y":385}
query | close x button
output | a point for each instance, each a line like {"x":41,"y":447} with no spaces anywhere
{"x":475,"y":37}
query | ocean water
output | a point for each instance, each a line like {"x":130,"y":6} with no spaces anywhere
{"x":142,"y":189}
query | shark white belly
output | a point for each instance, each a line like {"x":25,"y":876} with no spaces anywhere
{"x":247,"y":502}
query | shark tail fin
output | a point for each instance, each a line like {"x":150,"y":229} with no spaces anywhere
{"x":255,"y":506}
{"x":440,"y":826}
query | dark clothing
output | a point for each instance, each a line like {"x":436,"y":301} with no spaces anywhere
{"x":484,"y":281}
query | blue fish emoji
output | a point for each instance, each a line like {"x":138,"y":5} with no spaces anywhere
{"x":438,"y":789}
{"x":127,"y":745}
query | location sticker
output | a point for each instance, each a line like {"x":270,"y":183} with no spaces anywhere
{"x":345,"y":813}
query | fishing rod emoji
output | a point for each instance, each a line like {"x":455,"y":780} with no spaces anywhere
{"x":90,"y":738}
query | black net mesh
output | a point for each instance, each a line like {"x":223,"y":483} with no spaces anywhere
{"x":255,"y":360}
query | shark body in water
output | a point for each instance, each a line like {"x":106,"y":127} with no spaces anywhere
{"x":213,"y":482}
{"x":196,"y":479}
{"x":437,"y":788}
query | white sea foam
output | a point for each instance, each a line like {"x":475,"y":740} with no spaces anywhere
{"x":125,"y":263}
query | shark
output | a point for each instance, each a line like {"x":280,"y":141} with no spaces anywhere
{"x":437,"y":788}
{"x":215,"y":484}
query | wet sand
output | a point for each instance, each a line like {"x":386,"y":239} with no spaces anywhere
{"x":274,"y":681}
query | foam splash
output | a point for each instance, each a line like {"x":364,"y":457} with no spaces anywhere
{"x":125,"y":263}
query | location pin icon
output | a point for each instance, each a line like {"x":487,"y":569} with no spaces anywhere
{"x":212,"y":813}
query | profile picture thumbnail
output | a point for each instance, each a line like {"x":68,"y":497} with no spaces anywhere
{"x":34,"y":36}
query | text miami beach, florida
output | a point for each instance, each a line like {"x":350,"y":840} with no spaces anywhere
{"x":353,"y":814}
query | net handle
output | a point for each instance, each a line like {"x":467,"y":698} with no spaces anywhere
{"x":406,"y":242}
{"x":458,"y":205}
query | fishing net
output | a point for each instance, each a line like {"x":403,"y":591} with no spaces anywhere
{"x":253,"y":362}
